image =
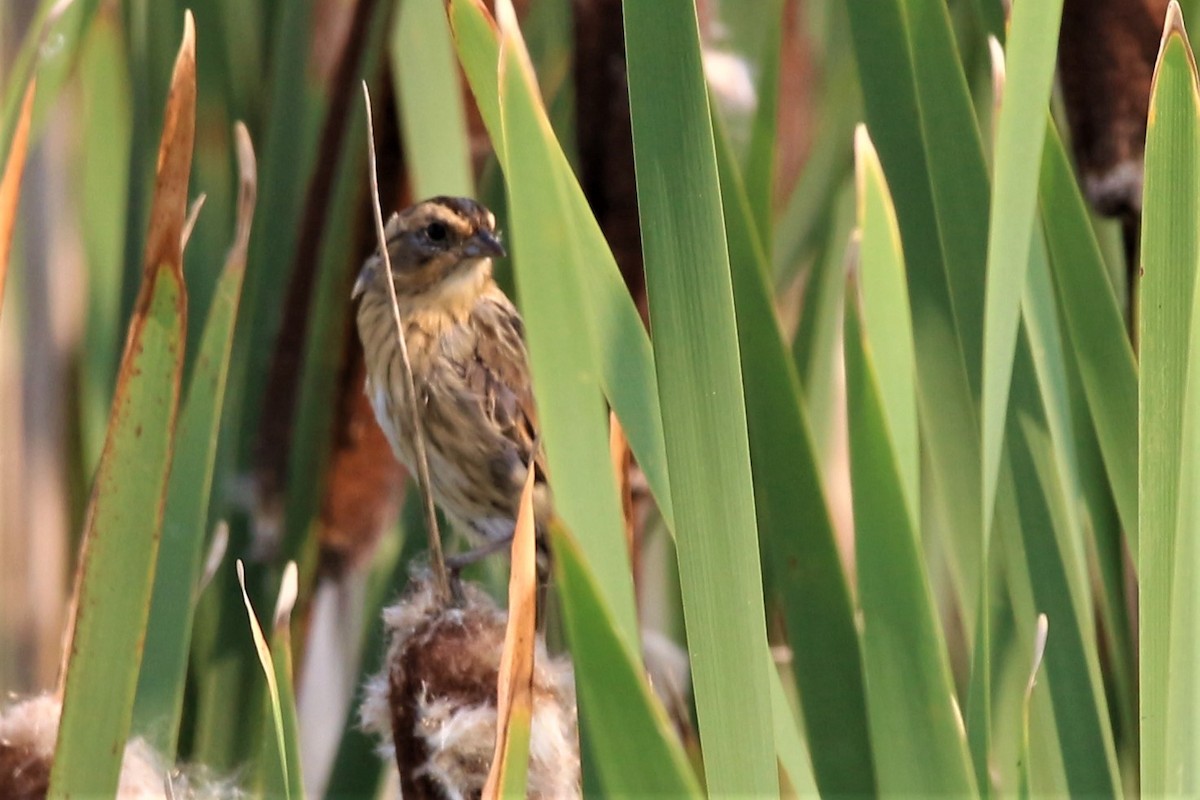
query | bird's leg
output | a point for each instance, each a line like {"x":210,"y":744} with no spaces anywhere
{"x":457,"y":563}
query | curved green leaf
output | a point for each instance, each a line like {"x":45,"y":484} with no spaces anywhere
{"x":636,"y":750}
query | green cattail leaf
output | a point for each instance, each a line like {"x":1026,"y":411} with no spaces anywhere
{"x":636,"y":751}
{"x":802,"y":566}
{"x":1020,"y":134}
{"x":700,"y":382}
{"x":125,"y":516}
{"x":1169,"y":458}
{"x":906,"y":661}
{"x":159,"y":705}
{"x":430,"y":104}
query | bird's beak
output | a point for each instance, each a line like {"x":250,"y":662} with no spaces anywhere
{"x":364,"y":278}
{"x":484,"y":244}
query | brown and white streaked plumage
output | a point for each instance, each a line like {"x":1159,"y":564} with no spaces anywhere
{"x":470,"y":366}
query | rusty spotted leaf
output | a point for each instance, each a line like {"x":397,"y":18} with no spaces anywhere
{"x":124,"y":518}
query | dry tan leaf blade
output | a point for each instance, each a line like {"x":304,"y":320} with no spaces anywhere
{"x":169,"y":210}
{"x":514,"y":690}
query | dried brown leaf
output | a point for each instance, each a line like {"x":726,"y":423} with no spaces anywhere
{"x":514,"y":697}
{"x":169,"y":210}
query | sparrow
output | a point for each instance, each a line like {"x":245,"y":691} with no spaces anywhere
{"x":466,"y":345}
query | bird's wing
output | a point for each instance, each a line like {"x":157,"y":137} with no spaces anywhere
{"x":499,"y":373}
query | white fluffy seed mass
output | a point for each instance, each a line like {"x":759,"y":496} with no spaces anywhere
{"x":28,"y":733}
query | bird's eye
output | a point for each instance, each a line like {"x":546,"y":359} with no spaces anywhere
{"x":436,"y":232}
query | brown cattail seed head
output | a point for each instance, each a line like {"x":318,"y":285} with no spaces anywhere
{"x":1106,"y":55}
{"x":436,"y":699}
{"x":28,"y":734}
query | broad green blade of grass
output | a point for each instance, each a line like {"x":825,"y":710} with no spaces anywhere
{"x":429,"y":104}
{"x":1108,"y":553}
{"x":1170,"y":250}
{"x":882,"y":381}
{"x":635,"y":748}
{"x":1182,"y":717}
{"x":1039,"y":314}
{"x":958,"y":174}
{"x":1017,"y":152}
{"x":1032,"y":44}
{"x":1047,"y":773}
{"x":1060,"y":403}
{"x":106,"y":127}
{"x":945,"y":398}
{"x":1183,"y":690}
{"x":1072,"y":666}
{"x":919,"y":111}
{"x":1103,"y":377}
{"x":907,"y":667}
{"x":159,"y":703}
{"x":1189,"y":8}
{"x":886,"y":315}
{"x":625,"y":359}
{"x":549,"y":261}
{"x":548,"y":30}
{"x":1097,"y":331}
{"x":700,"y":382}
{"x":1104,"y":388}
{"x":1182,"y":720}
{"x":124,"y":520}
{"x":803,"y":567}
{"x":1015,"y":636}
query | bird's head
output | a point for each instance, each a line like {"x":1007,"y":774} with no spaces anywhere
{"x":432,"y":245}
